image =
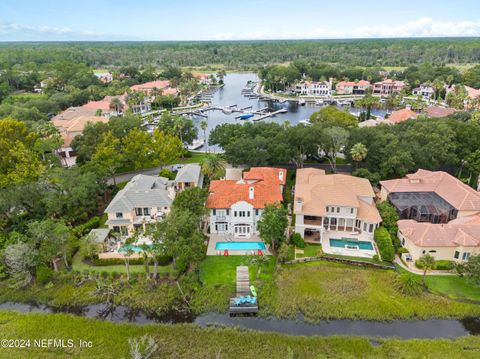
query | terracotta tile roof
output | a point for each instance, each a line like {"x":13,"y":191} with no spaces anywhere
{"x":266,"y":190}
{"x":70,"y":128}
{"x":472,"y":92}
{"x":316,"y":191}
{"x":363,"y":83}
{"x":103,"y":104}
{"x":402,"y":115}
{"x":275,"y":175}
{"x":437,"y":111}
{"x":452,"y":190}
{"x":463,"y":233}
{"x":159,"y":84}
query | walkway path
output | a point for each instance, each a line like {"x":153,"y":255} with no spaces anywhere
{"x":414,"y":270}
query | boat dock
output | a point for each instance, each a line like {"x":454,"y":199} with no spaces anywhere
{"x":269,"y":114}
{"x":243,"y":289}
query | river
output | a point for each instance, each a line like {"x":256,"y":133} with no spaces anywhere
{"x":404,"y":329}
{"x":230,"y":94}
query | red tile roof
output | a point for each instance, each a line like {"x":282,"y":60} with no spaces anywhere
{"x":452,"y":190}
{"x":264,"y":181}
{"x":437,"y":111}
{"x":402,"y":115}
{"x":159,"y":84}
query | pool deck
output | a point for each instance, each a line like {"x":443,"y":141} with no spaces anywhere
{"x":214,"y":238}
{"x":364,"y":253}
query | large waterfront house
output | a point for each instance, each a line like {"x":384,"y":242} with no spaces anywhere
{"x":236,"y":205}
{"x":337,"y":211}
{"x":314,"y":88}
{"x":144,"y":200}
{"x":189,"y":176}
{"x":425,"y":91}
{"x":427,"y":196}
{"x":162,"y":86}
{"x":402,"y":115}
{"x":388,"y":87}
{"x":352,"y":88}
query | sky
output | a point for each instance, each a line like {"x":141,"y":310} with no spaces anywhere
{"x":114,"y":20}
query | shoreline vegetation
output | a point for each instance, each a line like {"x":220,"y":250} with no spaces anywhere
{"x":189,"y":341}
{"x":318,"y":290}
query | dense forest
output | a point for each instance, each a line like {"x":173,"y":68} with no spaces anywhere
{"x":361,"y":52}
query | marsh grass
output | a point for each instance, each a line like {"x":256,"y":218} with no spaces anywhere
{"x":324,"y":290}
{"x":184,"y":341}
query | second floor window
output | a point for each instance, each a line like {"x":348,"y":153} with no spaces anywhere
{"x":119,"y":215}
{"x":138,"y":211}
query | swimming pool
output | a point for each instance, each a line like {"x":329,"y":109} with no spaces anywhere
{"x":135,"y":249}
{"x":240,"y":246}
{"x":346,"y":243}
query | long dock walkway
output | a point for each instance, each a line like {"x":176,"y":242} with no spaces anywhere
{"x":243,"y":289}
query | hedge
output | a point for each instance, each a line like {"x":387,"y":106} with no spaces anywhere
{"x":384,"y":243}
{"x":162,"y":261}
{"x":441,"y":264}
{"x":85,"y":228}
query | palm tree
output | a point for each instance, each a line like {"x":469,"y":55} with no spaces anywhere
{"x":368,"y":101}
{"x":427,"y":262}
{"x":213,"y":166}
{"x":358,"y":152}
{"x":116,"y":105}
{"x":203,"y":126}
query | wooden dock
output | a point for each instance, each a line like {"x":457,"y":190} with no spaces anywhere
{"x":243,"y":289}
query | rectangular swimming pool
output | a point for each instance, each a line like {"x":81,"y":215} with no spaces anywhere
{"x":240,"y":246}
{"x":352,"y":244}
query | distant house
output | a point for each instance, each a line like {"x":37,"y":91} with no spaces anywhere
{"x":456,"y":241}
{"x":202,"y":78}
{"x":388,"y":87}
{"x":427,"y":196}
{"x":437,"y":111}
{"x":69,"y":129}
{"x":426,"y":91}
{"x":162,"y":85}
{"x":402,"y":115}
{"x":105,"y":77}
{"x":314,"y":88}
{"x":189,"y":176}
{"x":352,"y":88}
{"x":92,"y":108}
{"x":236,"y":206}
{"x":145,"y":199}
{"x":335,"y":207}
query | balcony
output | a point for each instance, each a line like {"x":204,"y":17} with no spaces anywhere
{"x":313,"y":221}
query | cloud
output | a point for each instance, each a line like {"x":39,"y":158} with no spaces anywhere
{"x":19,"y":32}
{"x":423,"y":27}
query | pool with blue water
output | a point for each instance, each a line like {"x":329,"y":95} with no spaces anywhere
{"x":240,"y":246}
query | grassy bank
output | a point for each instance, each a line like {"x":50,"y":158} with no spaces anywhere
{"x":333,"y":290}
{"x":188,"y":341}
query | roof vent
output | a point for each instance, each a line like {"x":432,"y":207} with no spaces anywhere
{"x":251,"y":192}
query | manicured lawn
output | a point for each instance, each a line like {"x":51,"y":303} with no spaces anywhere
{"x":451,"y":286}
{"x":184,"y":341}
{"x":323,"y":290}
{"x":310,"y":250}
{"x":220,"y":270}
{"x":196,"y":158}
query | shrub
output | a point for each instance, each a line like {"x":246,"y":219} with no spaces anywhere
{"x":83,"y":229}
{"x":402,"y":250}
{"x":444,"y":264}
{"x":115,"y":261}
{"x":285,"y":253}
{"x":297,"y":240}
{"x":44,"y":274}
{"x":167,"y":174}
{"x":384,"y":244}
{"x":408,"y":284}
{"x":164,"y":260}
{"x":376,"y":258}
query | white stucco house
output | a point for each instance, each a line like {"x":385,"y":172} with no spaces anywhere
{"x":236,"y":205}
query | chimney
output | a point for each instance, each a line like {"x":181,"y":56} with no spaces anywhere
{"x":251,"y":192}
{"x":298,"y":204}
{"x":280,"y":175}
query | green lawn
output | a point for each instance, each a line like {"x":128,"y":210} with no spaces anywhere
{"x":196,"y":158}
{"x":182,"y":341}
{"x":326,"y":290}
{"x":451,"y":286}
{"x":310,"y":250}
{"x":220,"y":270}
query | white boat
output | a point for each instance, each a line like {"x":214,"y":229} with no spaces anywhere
{"x":319,"y":102}
{"x":196,"y":144}
{"x":227,"y":111}
{"x":305,"y":122}
{"x":301,"y":102}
